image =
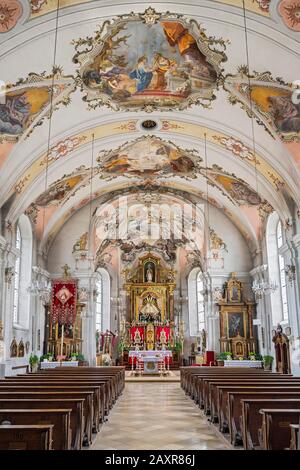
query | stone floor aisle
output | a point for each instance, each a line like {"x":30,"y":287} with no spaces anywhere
{"x":156,"y":416}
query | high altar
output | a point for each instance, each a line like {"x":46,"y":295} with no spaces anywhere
{"x":150,"y":305}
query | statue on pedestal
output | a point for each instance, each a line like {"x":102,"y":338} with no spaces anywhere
{"x":137,"y":339}
{"x":163,"y":339}
{"x":203,"y":341}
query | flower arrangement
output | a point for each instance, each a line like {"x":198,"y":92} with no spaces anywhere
{"x":46,"y":357}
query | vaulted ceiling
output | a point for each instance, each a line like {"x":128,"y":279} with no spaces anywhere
{"x":105,"y":96}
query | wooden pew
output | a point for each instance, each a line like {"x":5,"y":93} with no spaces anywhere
{"x":294,"y":444}
{"x":96,"y":386}
{"x":211,"y":397}
{"x":193,"y":376}
{"x":275,"y":431}
{"x":209,"y":391}
{"x":250,"y":420}
{"x":223,"y":392}
{"x":26,"y":437}
{"x":111,"y":393}
{"x":187,"y":374}
{"x":60,"y":418}
{"x":33,"y":393}
{"x":75,"y":404}
{"x":91,"y":412}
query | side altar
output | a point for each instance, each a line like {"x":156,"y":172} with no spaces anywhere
{"x":149,"y":325}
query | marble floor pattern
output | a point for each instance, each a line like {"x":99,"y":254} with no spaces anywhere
{"x":151,"y":416}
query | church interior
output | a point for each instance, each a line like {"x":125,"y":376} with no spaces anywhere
{"x":149,"y":225}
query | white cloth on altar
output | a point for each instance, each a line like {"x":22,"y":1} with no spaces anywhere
{"x":151,"y":353}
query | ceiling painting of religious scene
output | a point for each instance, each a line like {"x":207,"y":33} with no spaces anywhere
{"x":24,"y":105}
{"x":149,"y":61}
{"x":234,"y":188}
{"x":56,"y":194}
{"x":148,"y":157}
{"x":146,"y":221}
{"x":271,"y":100}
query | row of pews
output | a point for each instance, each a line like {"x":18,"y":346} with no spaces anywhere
{"x":258,"y":409}
{"x":57,"y":409}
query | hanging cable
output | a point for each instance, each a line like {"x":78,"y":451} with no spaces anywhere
{"x":250,"y":95}
{"x":207,"y":205}
{"x":51,"y":111}
{"x":91,"y":195}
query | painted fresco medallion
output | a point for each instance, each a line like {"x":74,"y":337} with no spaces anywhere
{"x":10,"y":12}
{"x":235,"y":188}
{"x":148,"y":157}
{"x":25,"y":104}
{"x":149,"y":61}
{"x":289,"y":10}
{"x":58,"y":191}
{"x":271,"y":100}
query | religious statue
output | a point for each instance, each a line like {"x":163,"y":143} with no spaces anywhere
{"x":203,"y":340}
{"x":163,"y":339}
{"x":149,"y":309}
{"x":149,"y":275}
{"x":66,"y":270}
{"x":81,"y":244}
{"x":137,"y":337}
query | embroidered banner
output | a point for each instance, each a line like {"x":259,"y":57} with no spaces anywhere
{"x":63,"y":304}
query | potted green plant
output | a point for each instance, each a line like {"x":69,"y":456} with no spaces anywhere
{"x":268,"y":362}
{"x":33,"y":361}
{"x":77,"y":357}
{"x":228,"y":355}
{"x":221,"y":357}
{"x":252,"y":356}
{"x":46,"y":357}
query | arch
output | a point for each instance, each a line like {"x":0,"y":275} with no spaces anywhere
{"x":196,"y":301}
{"x":23,"y":265}
{"x":102,"y":308}
{"x":276,"y":269}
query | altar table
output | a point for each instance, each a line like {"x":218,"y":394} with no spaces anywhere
{"x":53,"y":364}
{"x":237,"y":363}
{"x":150,"y":359}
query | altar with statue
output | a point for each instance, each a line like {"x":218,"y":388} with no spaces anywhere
{"x":148,"y":332}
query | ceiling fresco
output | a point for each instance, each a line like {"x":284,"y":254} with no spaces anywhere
{"x":149,"y":61}
{"x":42,"y":7}
{"x":271,"y":101}
{"x":149,"y":157}
{"x":24,"y":105}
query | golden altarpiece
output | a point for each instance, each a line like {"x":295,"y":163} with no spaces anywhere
{"x":150,"y":304}
{"x":236,"y":320}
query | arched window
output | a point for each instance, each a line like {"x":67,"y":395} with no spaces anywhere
{"x":22,"y":278}
{"x":18,"y":246}
{"x":282,"y":276}
{"x":200,"y":302}
{"x":99,"y":298}
{"x":196,"y":302}
{"x":102,"y":310}
{"x":276,"y":267}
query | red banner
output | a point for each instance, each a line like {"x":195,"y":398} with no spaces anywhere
{"x":63,"y":304}
{"x":133,"y":330}
{"x":159,"y":330}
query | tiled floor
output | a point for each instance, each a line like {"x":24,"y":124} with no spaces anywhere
{"x":156,"y":416}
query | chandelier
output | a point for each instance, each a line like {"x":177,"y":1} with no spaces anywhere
{"x":261,"y":288}
{"x":40,"y":285}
